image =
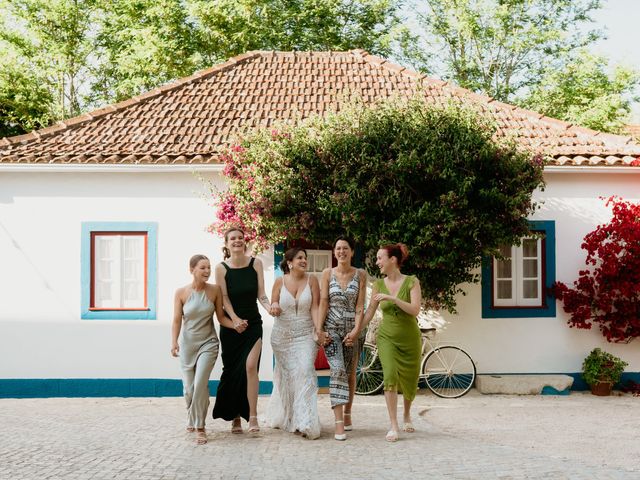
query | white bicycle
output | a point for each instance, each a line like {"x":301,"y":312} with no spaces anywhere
{"x":448,"y":371}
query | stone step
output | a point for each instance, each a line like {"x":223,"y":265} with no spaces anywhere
{"x":524,"y":384}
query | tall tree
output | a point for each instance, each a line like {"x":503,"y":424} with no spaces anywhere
{"x":586,"y":93}
{"x":25,"y":101}
{"x":52,"y":39}
{"x":230,"y":27}
{"x":142,"y":44}
{"x":500,"y":47}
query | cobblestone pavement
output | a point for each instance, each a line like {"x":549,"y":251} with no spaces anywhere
{"x":476,"y":437}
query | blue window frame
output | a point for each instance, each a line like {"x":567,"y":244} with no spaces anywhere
{"x":128,"y":275}
{"x":518,"y":286}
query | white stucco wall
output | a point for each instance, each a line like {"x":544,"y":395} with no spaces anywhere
{"x":549,"y":345}
{"x":42,"y":333}
{"x":43,"y":336}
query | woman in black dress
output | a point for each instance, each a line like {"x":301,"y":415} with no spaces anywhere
{"x":241,"y":279}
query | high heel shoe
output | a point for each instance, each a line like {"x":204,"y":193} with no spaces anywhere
{"x":340,"y":436}
{"x":254,"y":428}
{"x":348,"y":428}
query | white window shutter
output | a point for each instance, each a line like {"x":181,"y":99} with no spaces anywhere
{"x":107,"y":271}
{"x":119,"y":271}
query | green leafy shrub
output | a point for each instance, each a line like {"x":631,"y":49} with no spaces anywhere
{"x":432,"y":177}
{"x":601,"y":366}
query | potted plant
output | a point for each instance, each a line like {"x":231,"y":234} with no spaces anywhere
{"x":602,"y":370}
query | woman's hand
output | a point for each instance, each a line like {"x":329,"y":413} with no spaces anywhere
{"x":351,"y":337}
{"x":379,"y":297}
{"x":275,"y":309}
{"x":175,"y":349}
{"x":323,"y":338}
{"x":240,"y":325}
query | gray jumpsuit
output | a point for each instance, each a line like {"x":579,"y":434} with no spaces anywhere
{"x":198,"y":354}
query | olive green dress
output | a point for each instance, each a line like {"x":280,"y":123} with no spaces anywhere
{"x":399,"y":342}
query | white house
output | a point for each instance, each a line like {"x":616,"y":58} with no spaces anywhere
{"x":99,"y":215}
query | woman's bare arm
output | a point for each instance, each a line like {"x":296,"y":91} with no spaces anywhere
{"x":176,"y":324}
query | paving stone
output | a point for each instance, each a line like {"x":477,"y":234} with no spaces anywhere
{"x":579,"y":436}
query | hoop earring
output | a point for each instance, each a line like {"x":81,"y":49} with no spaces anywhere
{"x":290,"y":266}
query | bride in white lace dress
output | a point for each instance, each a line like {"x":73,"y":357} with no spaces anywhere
{"x":293,"y":406}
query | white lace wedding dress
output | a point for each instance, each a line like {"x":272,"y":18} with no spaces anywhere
{"x":294,"y":401}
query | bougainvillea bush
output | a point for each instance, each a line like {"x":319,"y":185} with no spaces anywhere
{"x":607,"y":292}
{"x":433,"y":177}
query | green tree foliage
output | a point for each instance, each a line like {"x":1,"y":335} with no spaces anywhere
{"x":51,"y":40}
{"x":142,"y":44}
{"x":25,"y":104}
{"x":502,"y":46}
{"x":231,"y":27}
{"x":431,"y":177}
{"x":586,"y":93}
{"x":62,"y":57}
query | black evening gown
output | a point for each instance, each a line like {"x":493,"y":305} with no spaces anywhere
{"x":231,"y":397}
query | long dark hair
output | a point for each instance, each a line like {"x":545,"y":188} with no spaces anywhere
{"x":289,"y":256}
{"x":349,"y":240}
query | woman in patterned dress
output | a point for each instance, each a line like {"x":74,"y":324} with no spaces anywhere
{"x":398,"y":339}
{"x":342,"y":291}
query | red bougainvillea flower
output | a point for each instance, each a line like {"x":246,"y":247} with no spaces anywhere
{"x":607,"y":293}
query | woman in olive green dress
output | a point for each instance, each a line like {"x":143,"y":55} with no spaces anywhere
{"x":398,"y":340}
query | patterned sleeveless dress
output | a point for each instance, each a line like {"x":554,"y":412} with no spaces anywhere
{"x":340,"y":321}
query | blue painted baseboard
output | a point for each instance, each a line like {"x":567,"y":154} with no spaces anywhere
{"x":101,"y":387}
{"x":159,"y":387}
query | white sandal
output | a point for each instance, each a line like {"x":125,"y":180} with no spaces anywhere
{"x":391,"y":436}
{"x":348,"y":428}
{"x":340,"y":436}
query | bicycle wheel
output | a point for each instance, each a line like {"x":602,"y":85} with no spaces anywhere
{"x":369,"y":371}
{"x":448,"y":371}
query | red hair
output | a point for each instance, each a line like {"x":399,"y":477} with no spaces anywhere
{"x":398,"y":250}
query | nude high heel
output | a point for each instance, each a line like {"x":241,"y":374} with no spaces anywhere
{"x":340,"y":436}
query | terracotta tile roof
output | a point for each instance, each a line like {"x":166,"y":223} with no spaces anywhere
{"x":633,"y":131}
{"x":189,"y":120}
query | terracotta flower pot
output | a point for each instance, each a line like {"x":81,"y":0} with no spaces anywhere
{"x":602,"y":389}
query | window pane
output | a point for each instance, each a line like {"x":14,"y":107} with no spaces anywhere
{"x":311,"y":263}
{"x":530,"y":268}
{"x":530,"y":288}
{"x":103,"y":293}
{"x":321,"y":263}
{"x":504,"y":268}
{"x":132,"y":269}
{"x":530,"y":247}
{"x":105,"y":269}
{"x":504,"y":289}
{"x":133,"y":246}
{"x":104,"y":246}
{"x":132,"y":291}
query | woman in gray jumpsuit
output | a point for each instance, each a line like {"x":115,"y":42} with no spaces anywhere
{"x":194,"y":307}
